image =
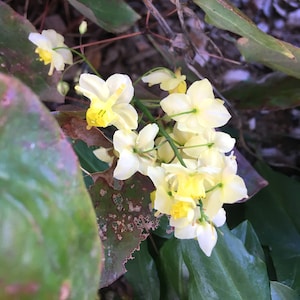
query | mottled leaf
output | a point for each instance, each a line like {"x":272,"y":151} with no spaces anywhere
{"x":18,"y":58}
{"x":75,"y":128}
{"x":124,"y":218}
{"x":49,"y":242}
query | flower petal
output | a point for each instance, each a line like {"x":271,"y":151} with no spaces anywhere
{"x":40,"y":41}
{"x":220,"y":218}
{"x":187,"y":232}
{"x":145,"y":139}
{"x":201,"y":89}
{"x":124,"y":140}
{"x":115,"y":81}
{"x":207,"y":238}
{"x":55,"y":38}
{"x":127,"y":116}
{"x":127,"y":165}
{"x":93,"y":87}
{"x":157,"y":76}
{"x":175,"y":104}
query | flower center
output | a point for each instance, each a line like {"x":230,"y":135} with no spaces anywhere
{"x":190,"y":186}
{"x":181,"y":209}
{"x":102,"y":117}
{"x":45,"y":55}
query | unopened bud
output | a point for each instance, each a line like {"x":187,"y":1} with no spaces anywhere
{"x":63,"y":88}
{"x":83,"y":27}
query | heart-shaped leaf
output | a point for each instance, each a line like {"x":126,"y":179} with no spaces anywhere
{"x":230,"y":273}
{"x":49,"y":242}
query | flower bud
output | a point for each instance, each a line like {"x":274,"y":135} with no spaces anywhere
{"x":63,"y":88}
{"x":83,"y":27}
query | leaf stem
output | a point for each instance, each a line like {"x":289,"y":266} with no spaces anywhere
{"x":148,"y":114}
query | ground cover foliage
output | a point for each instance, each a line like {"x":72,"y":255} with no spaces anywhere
{"x":69,"y":229}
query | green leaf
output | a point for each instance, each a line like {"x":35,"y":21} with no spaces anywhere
{"x":276,"y":91}
{"x":87,"y":158}
{"x":254,"y":45}
{"x":18,"y":58}
{"x":142,"y":275}
{"x":280,"y":291}
{"x":112,"y":15}
{"x":49,"y":241}
{"x":124,"y":218}
{"x":230,"y":273}
{"x":247,"y":235}
{"x":274,"y":214}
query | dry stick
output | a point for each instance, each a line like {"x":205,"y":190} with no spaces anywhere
{"x":125,"y":36}
{"x":162,"y":22}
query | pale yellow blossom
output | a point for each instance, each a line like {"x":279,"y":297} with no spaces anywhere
{"x":197,"y":109}
{"x":51,"y":49}
{"x":169,"y":81}
{"x":136,"y":151}
{"x":110,"y":101}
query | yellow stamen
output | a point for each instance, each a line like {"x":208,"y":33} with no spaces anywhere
{"x":105,"y":115}
{"x":180,"y":209}
{"x":45,"y":55}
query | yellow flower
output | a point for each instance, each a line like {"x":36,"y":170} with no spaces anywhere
{"x":197,"y":109}
{"x":50,"y":46}
{"x":205,"y":232}
{"x":136,"y":151}
{"x":188,"y":182}
{"x":109,"y":101}
{"x":169,"y":81}
{"x":183,"y":209}
{"x":209,"y":146}
{"x":229,"y":188}
{"x":163,"y":199}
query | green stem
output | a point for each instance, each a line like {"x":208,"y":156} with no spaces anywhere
{"x":148,"y":114}
{"x":209,"y":145}
{"x":82,"y":56}
{"x":218,"y":185}
{"x":183,"y":113}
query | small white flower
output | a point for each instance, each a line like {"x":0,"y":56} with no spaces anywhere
{"x":169,"y":81}
{"x":231,"y":187}
{"x":209,"y":146}
{"x":205,"y":232}
{"x":197,"y":109}
{"x":51,"y":49}
{"x":136,"y":151}
{"x":109,"y":101}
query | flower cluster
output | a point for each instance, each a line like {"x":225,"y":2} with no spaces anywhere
{"x":193,"y":184}
{"x":189,"y":160}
